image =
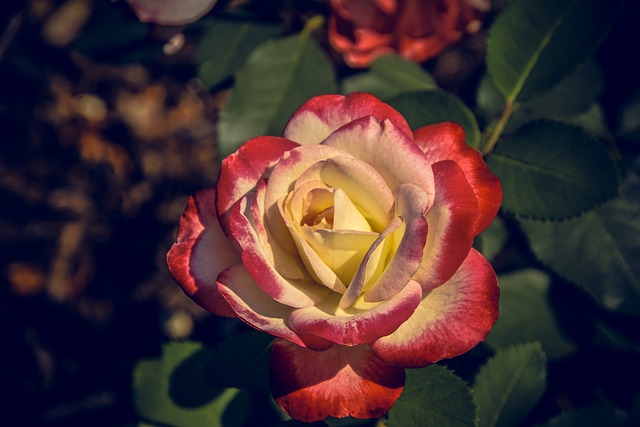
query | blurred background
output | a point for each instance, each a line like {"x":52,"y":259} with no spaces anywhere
{"x":104,"y":132}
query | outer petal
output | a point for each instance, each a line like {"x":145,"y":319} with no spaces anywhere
{"x":451,"y":223}
{"x":362,"y":30}
{"x":339,"y":382}
{"x":241,"y":171}
{"x":358,"y":52}
{"x":201,"y":252}
{"x":258,"y":309}
{"x":320,"y":116}
{"x":359,"y":324}
{"x":446,"y":141}
{"x":171,"y":12}
{"x":449,"y":321}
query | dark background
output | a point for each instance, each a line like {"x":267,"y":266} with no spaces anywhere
{"x":100,"y":145}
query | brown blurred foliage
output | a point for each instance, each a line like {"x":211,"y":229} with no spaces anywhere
{"x":96,"y":163}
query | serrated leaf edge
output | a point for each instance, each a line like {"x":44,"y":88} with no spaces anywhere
{"x":536,"y":347}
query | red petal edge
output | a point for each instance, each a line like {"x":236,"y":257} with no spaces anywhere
{"x":447,"y":141}
{"x":451,"y":319}
{"x":201,"y":252}
{"x":241,"y":171}
{"x":451,"y":223}
{"x":320,"y":116}
{"x":338,"y":382}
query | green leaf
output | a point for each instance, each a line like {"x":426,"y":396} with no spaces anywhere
{"x":509,"y":385}
{"x":242,"y":361}
{"x":526,"y":314}
{"x":489,"y":101}
{"x":161,"y":394}
{"x":592,"y":121}
{"x":275,"y":80}
{"x":597,"y":251}
{"x":435,"y":106}
{"x":572,"y":101}
{"x":598,"y":415}
{"x":629,"y":122}
{"x":574,"y":94}
{"x":433,"y":396}
{"x":130,"y":43}
{"x":633,"y":420}
{"x":553,"y":171}
{"x":390,"y":75}
{"x":225,"y":46}
{"x":492,"y":240}
{"x":532,"y":45}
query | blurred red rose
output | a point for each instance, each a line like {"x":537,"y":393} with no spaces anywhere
{"x":416,"y":29}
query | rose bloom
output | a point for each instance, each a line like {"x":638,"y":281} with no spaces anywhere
{"x":349,"y":239}
{"x":171,"y":12}
{"x":362,"y":30}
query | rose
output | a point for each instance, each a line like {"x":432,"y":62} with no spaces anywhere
{"x":349,"y":239}
{"x":171,"y":12}
{"x":416,"y":29}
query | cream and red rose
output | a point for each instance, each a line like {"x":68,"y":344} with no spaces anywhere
{"x":349,"y":239}
{"x":362,"y":30}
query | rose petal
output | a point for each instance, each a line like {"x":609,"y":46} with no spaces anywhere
{"x":294,"y":293}
{"x":385,"y":147}
{"x":411,"y":205}
{"x":317,"y":118}
{"x":446,"y":141}
{"x":360,"y":323}
{"x":316,"y":267}
{"x":257,"y":309}
{"x":372,"y":264}
{"x":481,"y":5}
{"x":171,"y":12}
{"x":338,"y":382}
{"x":347,"y":216}
{"x":414,"y":49}
{"x":241,"y":171}
{"x":360,"y":31}
{"x":341,"y":251}
{"x":451,"y":223}
{"x":289,"y":266}
{"x":362,"y":11}
{"x":201,"y":252}
{"x":310,"y":203}
{"x":363,"y":185}
{"x":450,"y":320}
{"x":282,"y":180}
{"x":415,"y":29}
{"x":358,"y":52}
